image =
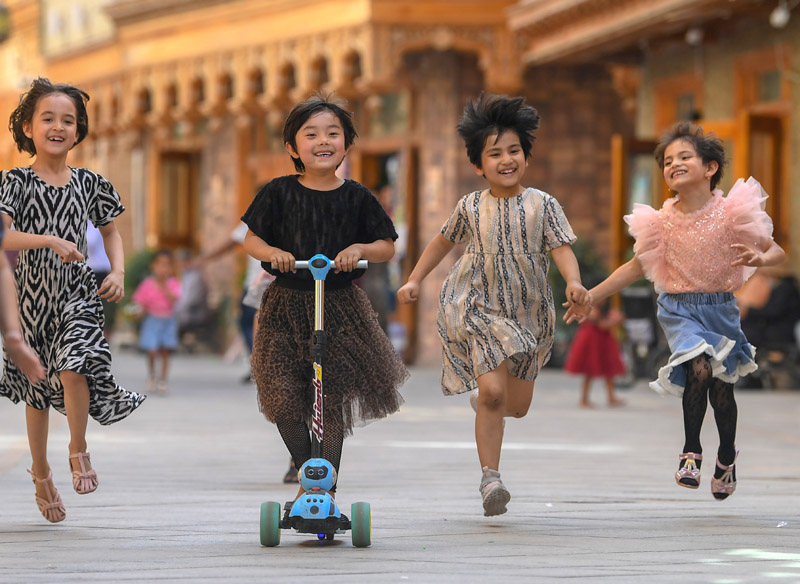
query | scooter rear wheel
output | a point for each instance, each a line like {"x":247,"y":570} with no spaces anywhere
{"x":361,"y":524}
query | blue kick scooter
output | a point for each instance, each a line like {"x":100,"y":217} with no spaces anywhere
{"x":316,"y":511}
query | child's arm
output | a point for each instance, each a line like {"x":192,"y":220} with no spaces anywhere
{"x":113,"y":286}
{"x":259,"y":249}
{"x":17,"y":240}
{"x":380,"y":250}
{"x":434,"y":253}
{"x":567,"y":265}
{"x":18,"y":350}
{"x":753,"y":257}
{"x":623,"y":276}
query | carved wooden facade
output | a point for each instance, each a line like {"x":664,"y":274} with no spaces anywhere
{"x":189,"y":97}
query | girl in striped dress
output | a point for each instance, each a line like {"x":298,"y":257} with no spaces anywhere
{"x":496,"y":313}
{"x":49,"y":204}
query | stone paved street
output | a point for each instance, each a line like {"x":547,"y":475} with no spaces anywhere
{"x":593,"y":498}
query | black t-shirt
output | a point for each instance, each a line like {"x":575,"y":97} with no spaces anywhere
{"x":305,"y":222}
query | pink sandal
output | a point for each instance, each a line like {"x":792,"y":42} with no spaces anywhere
{"x":724,"y":486}
{"x":83,"y":481}
{"x":51,"y":508}
{"x":689,"y":474}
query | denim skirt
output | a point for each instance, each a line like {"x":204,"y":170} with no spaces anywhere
{"x":697,"y":323}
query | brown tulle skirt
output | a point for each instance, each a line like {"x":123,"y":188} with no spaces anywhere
{"x":362,"y":371}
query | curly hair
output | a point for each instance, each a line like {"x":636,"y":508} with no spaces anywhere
{"x":496,"y":114}
{"x":708,"y":147}
{"x":23,"y":114}
{"x":310,"y":107}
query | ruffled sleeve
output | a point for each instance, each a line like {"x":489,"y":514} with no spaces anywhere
{"x":11,"y":194}
{"x":105,"y":205}
{"x":645,"y":227}
{"x":746,"y":216}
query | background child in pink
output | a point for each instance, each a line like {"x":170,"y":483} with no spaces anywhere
{"x":157,"y":295}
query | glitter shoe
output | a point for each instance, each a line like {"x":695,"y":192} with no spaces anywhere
{"x":688,"y":475}
{"x":494,"y":493}
{"x":724,"y":486}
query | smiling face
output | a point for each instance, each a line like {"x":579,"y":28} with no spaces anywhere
{"x":320,"y":143}
{"x":53,"y":127}
{"x":684,"y":169}
{"x":503,"y":163}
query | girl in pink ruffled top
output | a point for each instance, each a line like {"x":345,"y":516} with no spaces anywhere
{"x":698,"y":249}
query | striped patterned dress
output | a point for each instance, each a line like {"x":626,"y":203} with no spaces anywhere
{"x":60,"y":311}
{"x":496,"y":302}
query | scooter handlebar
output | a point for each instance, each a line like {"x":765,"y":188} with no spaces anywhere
{"x":303,"y":264}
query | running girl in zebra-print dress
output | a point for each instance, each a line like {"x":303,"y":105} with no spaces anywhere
{"x":49,"y":204}
{"x":496,"y":313}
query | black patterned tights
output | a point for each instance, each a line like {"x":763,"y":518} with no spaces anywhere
{"x":702,"y":387}
{"x":297,"y":437}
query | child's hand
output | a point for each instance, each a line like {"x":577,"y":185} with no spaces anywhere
{"x":24,"y":358}
{"x":347,"y":259}
{"x":66,"y":250}
{"x":282,"y":261}
{"x":576,"y":312}
{"x":113,"y":287}
{"x":577,"y":294}
{"x":408,"y":293}
{"x":747,"y":256}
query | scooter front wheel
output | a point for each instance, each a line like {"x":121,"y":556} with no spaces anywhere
{"x":270,"y":524}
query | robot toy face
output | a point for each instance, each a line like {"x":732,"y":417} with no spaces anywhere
{"x":317,"y":473}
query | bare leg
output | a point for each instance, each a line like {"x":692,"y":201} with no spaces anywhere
{"x":492,"y":391}
{"x":165,"y":354}
{"x":587,"y":383}
{"x":47,"y":498}
{"x":38,"y":424}
{"x":151,"y":370}
{"x":76,"y":403}
{"x":613,"y":400}
{"x":519,"y":394}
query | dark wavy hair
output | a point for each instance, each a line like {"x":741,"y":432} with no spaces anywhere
{"x":23,"y":114}
{"x":496,"y":114}
{"x":708,"y":147}
{"x":312,"y":106}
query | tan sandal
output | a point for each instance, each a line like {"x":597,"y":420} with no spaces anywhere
{"x":83,"y":481}
{"x":51,"y":508}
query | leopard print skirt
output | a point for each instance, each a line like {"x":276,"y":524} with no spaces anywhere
{"x":362,"y":372}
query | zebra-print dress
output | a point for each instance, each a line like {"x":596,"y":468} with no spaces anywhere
{"x":496,"y":303}
{"x":60,"y":311}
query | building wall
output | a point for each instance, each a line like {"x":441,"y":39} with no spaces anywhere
{"x":570,"y":159}
{"x":716,"y":62}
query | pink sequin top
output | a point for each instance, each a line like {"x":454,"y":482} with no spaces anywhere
{"x":692,"y":252}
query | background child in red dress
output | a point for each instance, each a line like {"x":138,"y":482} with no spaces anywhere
{"x":596,"y":353}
